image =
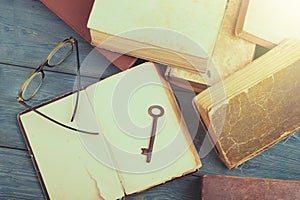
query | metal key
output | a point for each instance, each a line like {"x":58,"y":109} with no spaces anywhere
{"x":148,"y":151}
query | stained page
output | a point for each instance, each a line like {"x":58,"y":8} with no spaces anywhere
{"x":121,"y":105}
{"x":68,"y":168}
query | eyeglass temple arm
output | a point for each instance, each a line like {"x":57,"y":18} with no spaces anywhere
{"x":78,"y":80}
{"x":53,"y":120}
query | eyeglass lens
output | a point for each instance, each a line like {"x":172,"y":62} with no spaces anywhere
{"x":33,"y":86}
{"x":60,"y":54}
{"x":56,"y":57}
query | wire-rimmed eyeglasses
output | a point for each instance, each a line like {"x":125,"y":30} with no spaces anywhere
{"x":35,"y":80}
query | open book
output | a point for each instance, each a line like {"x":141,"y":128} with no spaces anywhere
{"x":172,"y":32}
{"x":73,"y":165}
{"x":255,"y":107}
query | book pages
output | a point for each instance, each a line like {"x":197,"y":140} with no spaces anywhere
{"x":66,"y":166}
{"x":197,"y":20}
{"x":77,"y":165}
{"x":122,"y":114}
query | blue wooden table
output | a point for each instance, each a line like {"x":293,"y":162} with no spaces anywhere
{"x":28,"y":32}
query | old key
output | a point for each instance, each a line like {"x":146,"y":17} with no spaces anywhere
{"x":155,"y":112}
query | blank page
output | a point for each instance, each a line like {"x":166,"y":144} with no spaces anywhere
{"x":68,"y":168}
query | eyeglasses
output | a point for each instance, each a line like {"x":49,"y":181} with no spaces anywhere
{"x":35,"y":80}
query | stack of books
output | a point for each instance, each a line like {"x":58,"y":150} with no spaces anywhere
{"x":246,"y":104}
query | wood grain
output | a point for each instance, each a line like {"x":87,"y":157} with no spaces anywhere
{"x":29,"y":31}
{"x":11,"y":79}
{"x":17,"y":177}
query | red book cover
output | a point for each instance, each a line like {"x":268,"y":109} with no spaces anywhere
{"x":76,"y":14}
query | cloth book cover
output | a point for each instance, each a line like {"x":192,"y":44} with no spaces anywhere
{"x":112,"y":164}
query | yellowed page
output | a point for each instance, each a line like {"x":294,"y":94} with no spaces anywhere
{"x":64,"y":157}
{"x":121,"y":107}
{"x":197,"y":22}
{"x":273,"y":20}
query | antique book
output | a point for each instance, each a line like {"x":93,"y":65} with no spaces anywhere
{"x":230,"y":54}
{"x":116,"y":162}
{"x":217,"y":187}
{"x":180,"y":33}
{"x":268,"y":22}
{"x":75,"y":13}
{"x":255,"y":107}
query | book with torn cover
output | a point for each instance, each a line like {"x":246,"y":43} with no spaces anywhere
{"x":180,"y":33}
{"x":230,"y":54}
{"x":123,"y":158}
{"x":268,"y":22}
{"x":256,"y":107}
{"x":233,"y":187}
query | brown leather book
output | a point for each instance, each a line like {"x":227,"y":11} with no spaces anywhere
{"x":255,"y":107}
{"x":75,"y":13}
{"x":228,"y":187}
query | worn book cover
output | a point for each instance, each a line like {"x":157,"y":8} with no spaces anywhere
{"x":126,"y":156}
{"x":255,"y":107}
{"x":216,"y":187}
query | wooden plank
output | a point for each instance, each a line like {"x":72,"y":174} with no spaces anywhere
{"x":17,"y":176}
{"x":29,"y":31}
{"x":11,"y":79}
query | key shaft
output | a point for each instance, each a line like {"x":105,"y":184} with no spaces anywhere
{"x":148,"y":151}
